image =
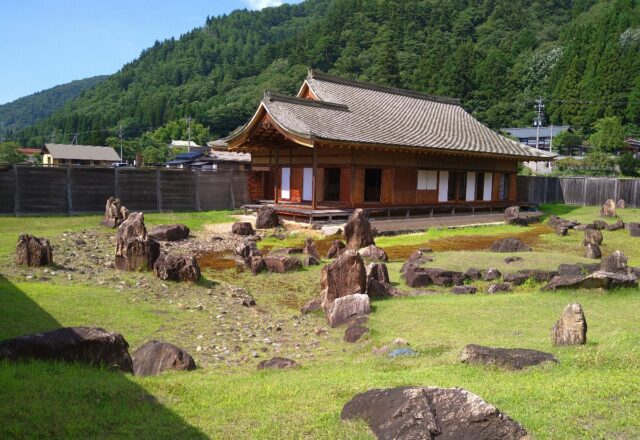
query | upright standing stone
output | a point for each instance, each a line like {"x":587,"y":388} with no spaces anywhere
{"x":357,"y":231}
{"x":134,"y":249}
{"x":267,"y":218}
{"x":114,"y":213}
{"x":621,"y":204}
{"x":592,"y":236}
{"x":571,"y":328}
{"x":33,"y":251}
{"x":592,"y":251}
{"x":511,"y":214}
{"x":345,"y":276}
{"x":310,"y":249}
{"x":608,"y":209}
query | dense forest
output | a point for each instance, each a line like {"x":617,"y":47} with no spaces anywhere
{"x":27,"y":110}
{"x":497,"y":56}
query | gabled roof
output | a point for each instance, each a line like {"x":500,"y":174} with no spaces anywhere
{"x":530,"y":132}
{"x":354,"y":112}
{"x":81,"y":152}
{"x":182,"y":144}
{"x":189,"y":155}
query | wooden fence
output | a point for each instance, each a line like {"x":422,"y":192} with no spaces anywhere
{"x":51,"y":190}
{"x":578,"y":190}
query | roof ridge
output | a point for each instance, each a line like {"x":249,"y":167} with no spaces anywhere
{"x":314,"y":74}
{"x":274,"y":96}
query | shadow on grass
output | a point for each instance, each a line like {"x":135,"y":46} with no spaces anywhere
{"x":559,"y":210}
{"x":60,"y":400}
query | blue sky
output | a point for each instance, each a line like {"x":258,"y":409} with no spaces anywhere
{"x":44,"y":43}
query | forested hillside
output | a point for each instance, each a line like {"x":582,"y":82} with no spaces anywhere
{"x":581,"y":56}
{"x":27,"y":110}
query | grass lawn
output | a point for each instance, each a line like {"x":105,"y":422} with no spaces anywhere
{"x":593,"y":393}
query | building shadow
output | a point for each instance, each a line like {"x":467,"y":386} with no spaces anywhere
{"x":60,"y":400}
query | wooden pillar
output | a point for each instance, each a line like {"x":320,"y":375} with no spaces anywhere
{"x":69,"y":193}
{"x":276,"y":176}
{"x":353,"y":176}
{"x":158,"y":191}
{"x":313,"y":178}
{"x":16,"y":192}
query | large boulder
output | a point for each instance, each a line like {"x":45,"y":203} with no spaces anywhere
{"x":429,"y":413}
{"x":114,"y":213}
{"x":634,"y":229}
{"x":33,"y":251}
{"x":491,"y":274}
{"x":310,"y":249}
{"x":473,"y":274}
{"x":282,"y":264}
{"x":257,"y":264}
{"x":608,"y":209}
{"x":416,"y":276}
{"x":378,"y":280}
{"x":592,"y":250}
{"x":345,"y":308}
{"x":599,"y":225}
{"x":510,"y":245}
{"x":592,"y":236}
{"x":174,"y":232}
{"x":358,"y":231}
{"x":618,"y":225}
{"x":242,"y":228}
{"x":443,"y":277}
{"x":615,"y":262}
{"x":154,"y":357}
{"x":373,"y":253}
{"x":571,"y":328}
{"x":134,"y":249}
{"x":511,"y":214}
{"x":86,"y":345}
{"x":344,"y":276}
{"x":378,"y":271}
{"x":267,"y":218}
{"x":177,"y":268}
{"x":337,"y":248}
{"x":595,"y":280}
{"x":510,"y":358}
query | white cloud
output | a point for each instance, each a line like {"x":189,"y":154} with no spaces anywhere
{"x":260,"y":4}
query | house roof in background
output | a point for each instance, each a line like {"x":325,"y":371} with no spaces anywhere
{"x":183,"y":144}
{"x":229,"y":156}
{"x":354,"y":112}
{"x":30,"y":151}
{"x":190,"y":155}
{"x":530,"y":132}
{"x":82,"y":152}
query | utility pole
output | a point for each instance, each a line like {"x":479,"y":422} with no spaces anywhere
{"x":189,"y":134}
{"x":551,"y":141}
{"x":120,"y":136}
{"x":538,"y":120}
{"x":53,"y":136}
{"x":74,"y":141}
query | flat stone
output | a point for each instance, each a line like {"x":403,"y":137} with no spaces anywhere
{"x":509,"y":358}
{"x":242,"y":228}
{"x":465,"y":289}
{"x":174,"y":232}
{"x":278,"y":363}
{"x":499,"y":287}
{"x":346,"y":308}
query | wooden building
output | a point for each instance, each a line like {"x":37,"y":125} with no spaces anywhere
{"x":60,"y":155}
{"x":344,"y":144}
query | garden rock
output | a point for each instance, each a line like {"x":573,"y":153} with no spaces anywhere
{"x":310,"y":249}
{"x":33,"y":251}
{"x":584,"y":227}
{"x":177,"y":268}
{"x":592,"y":251}
{"x":515,"y":278}
{"x":539,"y":275}
{"x":462,"y":290}
{"x":416,"y":276}
{"x":557,"y":222}
{"x":442,"y":277}
{"x":621,"y":204}
{"x":510,"y":260}
{"x":615,"y":262}
{"x":329,"y":230}
{"x":345,"y":308}
{"x":154,"y":357}
{"x":571,"y":328}
{"x":267,"y":218}
{"x":257,"y":265}
{"x":491,"y":274}
{"x":247,"y":250}
{"x":511,"y":214}
{"x":473,"y":274}
{"x":634,"y":229}
{"x":86,"y":345}
{"x":174,"y":232}
{"x":285,"y":251}
{"x":615,"y":226}
{"x":599,"y":225}
{"x":412,"y":413}
{"x":282,"y":264}
{"x":592,"y":236}
{"x":353,"y":333}
{"x":378,"y":271}
{"x":509,"y":358}
{"x":114,"y":213}
{"x":358,"y":232}
{"x":595,"y":280}
{"x":311,"y":306}
{"x":310,"y":260}
{"x":510,"y":245}
{"x":608,"y":209}
{"x":242,"y":228}
{"x":570,"y":270}
{"x":134,"y":249}
{"x":562,"y":231}
{"x":337,"y":248}
{"x":499,"y":287}
{"x":278,"y":363}
{"x":373,"y":253}
{"x":344,"y":276}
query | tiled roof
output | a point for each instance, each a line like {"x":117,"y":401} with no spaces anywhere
{"x":82,"y":152}
{"x":355,"y":112}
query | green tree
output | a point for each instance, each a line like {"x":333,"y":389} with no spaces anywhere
{"x":9,"y":153}
{"x":565,"y":141}
{"x":628,"y":165}
{"x":609,"y":135}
